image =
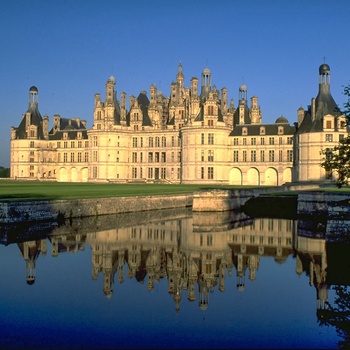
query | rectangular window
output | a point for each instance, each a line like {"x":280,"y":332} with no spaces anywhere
{"x":65,"y":144}
{"x":280,"y":156}
{"x":150,"y":142}
{"x":72,"y":144}
{"x":289,"y":155}
{"x":79,"y":157}
{"x":156,"y":157}
{"x":94,"y":172}
{"x":163,"y":141}
{"x":329,"y":137}
{"x":72,"y":157}
{"x":202,"y":172}
{"x":272,"y":140}
{"x":163,"y":173}
{"x":163,"y":159}
{"x":202,"y":138}
{"x":210,"y":139}
{"x":172,"y":157}
{"x":253,"y":156}
{"x":94,"y":156}
{"x":235,"y":156}
{"x":244,"y":141}
{"x":58,"y":144}
{"x":202,"y":155}
{"x":262,"y":156}
{"x":271,"y":155}
{"x":65,"y":157}
{"x":210,"y":173}
{"x":86,"y":157}
{"x":244,"y":156}
{"x":290,"y":140}
{"x":141,"y":141}
{"x":80,"y":144}
{"x":157,"y":141}
{"x":134,"y":157}
{"x":150,"y":157}
{"x":253,"y":141}
{"x":173,"y":141}
{"x":210,"y":156}
{"x":235,"y":141}
{"x":141,"y":157}
{"x":328,"y":124}
{"x":134,"y":173}
{"x":262,"y":140}
{"x":280,"y":140}
{"x":134,"y":142}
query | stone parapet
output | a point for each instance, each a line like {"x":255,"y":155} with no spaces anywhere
{"x":57,"y":210}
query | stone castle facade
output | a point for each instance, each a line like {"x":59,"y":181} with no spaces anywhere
{"x":195,"y":135}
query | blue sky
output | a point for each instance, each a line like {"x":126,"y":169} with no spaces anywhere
{"x":68,"y":49}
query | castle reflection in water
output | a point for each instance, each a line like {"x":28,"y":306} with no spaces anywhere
{"x":192,"y":251}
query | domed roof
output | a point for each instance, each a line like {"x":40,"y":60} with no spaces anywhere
{"x":206,"y":71}
{"x":281,"y":120}
{"x":324,"y":68}
{"x":111,"y":79}
{"x":243,"y":87}
{"x":33,"y":89}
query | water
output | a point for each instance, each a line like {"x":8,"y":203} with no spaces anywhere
{"x":168,"y":279}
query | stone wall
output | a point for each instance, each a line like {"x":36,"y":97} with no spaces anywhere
{"x":77,"y":208}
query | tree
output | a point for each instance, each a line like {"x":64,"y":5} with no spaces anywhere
{"x":4,"y":172}
{"x":337,"y":159}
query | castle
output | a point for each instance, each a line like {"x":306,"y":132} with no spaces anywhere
{"x":192,"y":136}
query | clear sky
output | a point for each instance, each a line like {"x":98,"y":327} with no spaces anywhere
{"x":68,"y":49}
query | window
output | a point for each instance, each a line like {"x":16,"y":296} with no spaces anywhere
{"x":150,"y":157}
{"x":163,"y":141}
{"x":235,"y":141}
{"x":210,"y":156}
{"x":289,"y":155}
{"x":65,"y":144}
{"x":210,"y":173}
{"x":280,"y":140}
{"x":202,"y":156}
{"x":253,"y":156}
{"x":253,"y":141}
{"x":262,"y":131}
{"x":141,"y":141}
{"x":329,"y":137}
{"x":134,"y":173}
{"x":211,"y":122}
{"x":79,"y":157}
{"x":244,"y":156}
{"x":328,"y":124}
{"x":94,"y":156}
{"x":202,"y":139}
{"x":262,"y":156}
{"x":72,"y":157}
{"x":244,"y":141}
{"x":271,"y":155}
{"x":72,"y":144}
{"x":157,"y":141}
{"x":173,"y":141}
{"x":210,"y":110}
{"x":150,"y":173}
{"x":141,"y":157}
{"x":65,"y":157}
{"x":94,"y":172}
{"x":156,"y":157}
{"x":202,"y":172}
{"x":86,"y":157}
{"x":280,"y":157}
{"x":289,"y":140}
{"x":58,"y":144}
{"x":235,"y":156}
{"x":134,"y":142}
{"x":150,"y":142}
{"x":262,"y":140}
{"x":80,"y":144}
{"x":163,"y":173}
{"x":271,"y":140}
{"x":134,"y":157}
{"x":95,"y":141}
{"x":210,"y":139}
{"x":163,"y":159}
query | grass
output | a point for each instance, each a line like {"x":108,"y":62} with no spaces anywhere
{"x":35,"y":190}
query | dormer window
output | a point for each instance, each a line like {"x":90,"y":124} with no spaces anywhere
{"x":280,"y":130}
{"x":244,"y":131}
{"x":65,"y":136}
{"x":262,"y":130}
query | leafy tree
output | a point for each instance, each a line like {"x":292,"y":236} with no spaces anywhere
{"x":4,"y":172}
{"x":337,"y":159}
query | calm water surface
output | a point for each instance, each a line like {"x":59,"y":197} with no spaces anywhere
{"x":169,"y":279}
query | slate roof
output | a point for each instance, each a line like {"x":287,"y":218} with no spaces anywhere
{"x":270,"y":129}
{"x":35,"y":119}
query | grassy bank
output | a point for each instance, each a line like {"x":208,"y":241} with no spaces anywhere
{"x":35,"y":190}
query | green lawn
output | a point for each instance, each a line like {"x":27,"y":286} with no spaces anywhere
{"x":35,"y":190}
